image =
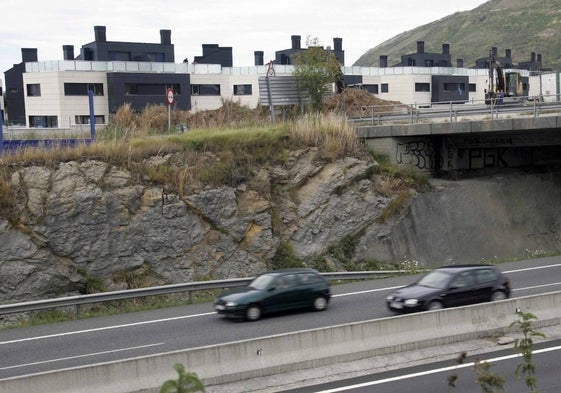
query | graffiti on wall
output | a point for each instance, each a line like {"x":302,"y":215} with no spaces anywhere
{"x":488,"y":158}
{"x":417,"y":153}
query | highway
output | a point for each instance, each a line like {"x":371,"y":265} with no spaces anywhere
{"x":82,"y":342}
{"x":433,"y":377}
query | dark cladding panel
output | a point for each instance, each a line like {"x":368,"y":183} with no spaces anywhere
{"x":449,"y":88}
{"x":142,"y":89}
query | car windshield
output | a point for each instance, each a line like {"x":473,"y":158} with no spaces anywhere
{"x":261,"y":282}
{"x":435,"y":279}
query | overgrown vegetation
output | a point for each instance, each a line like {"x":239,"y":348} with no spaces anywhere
{"x":186,"y":382}
{"x":505,"y":24}
{"x":490,"y":382}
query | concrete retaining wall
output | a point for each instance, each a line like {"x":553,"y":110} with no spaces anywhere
{"x":295,"y":351}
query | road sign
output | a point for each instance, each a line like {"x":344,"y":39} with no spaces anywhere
{"x":169,"y":96}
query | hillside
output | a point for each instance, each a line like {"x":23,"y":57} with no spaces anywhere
{"x":525,"y":26}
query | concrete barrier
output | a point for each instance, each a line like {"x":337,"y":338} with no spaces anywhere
{"x":241,"y":360}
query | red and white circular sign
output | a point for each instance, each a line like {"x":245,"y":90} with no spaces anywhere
{"x":169,"y":96}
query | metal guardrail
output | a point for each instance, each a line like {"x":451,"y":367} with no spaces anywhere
{"x":79,"y":300}
{"x":452,"y":110}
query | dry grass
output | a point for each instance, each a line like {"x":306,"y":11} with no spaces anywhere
{"x":333,"y":134}
{"x":357,"y":103}
{"x":224,"y":146}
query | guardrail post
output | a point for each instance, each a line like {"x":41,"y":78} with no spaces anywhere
{"x":451,"y":110}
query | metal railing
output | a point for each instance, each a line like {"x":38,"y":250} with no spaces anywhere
{"x":452,"y":111}
{"x":80,"y":300}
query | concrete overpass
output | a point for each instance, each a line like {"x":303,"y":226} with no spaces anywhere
{"x":444,"y":146}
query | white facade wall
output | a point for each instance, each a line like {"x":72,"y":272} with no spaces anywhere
{"x":53,"y":102}
{"x":545,"y":86}
{"x":400,"y":81}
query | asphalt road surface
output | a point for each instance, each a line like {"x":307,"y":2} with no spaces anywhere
{"x":89,"y":341}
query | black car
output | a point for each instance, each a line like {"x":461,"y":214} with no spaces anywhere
{"x":275,"y":291}
{"x":450,"y":286}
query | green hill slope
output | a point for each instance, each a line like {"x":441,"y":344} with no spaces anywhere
{"x":525,"y":26}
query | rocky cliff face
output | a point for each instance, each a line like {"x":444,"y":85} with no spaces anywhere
{"x":90,"y":219}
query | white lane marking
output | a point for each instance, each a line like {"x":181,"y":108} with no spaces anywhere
{"x":367,"y":291}
{"x":532,"y":268}
{"x":104,"y":328}
{"x":79,"y":356}
{"x":429,"y":372}
{"x":536,"y":286}
{"x":211,"y":313}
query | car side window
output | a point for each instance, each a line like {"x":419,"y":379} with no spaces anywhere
{"x":286,"y":281}
{"x":484,"y":276}
{"x":309,"y":278}
{"x":462,"y":280}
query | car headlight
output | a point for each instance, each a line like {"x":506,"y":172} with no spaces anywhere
{"x":231,"y":304}
{"x":411,"y":302}
{"x":389,"y":298}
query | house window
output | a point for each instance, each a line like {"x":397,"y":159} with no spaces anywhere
{"x":429,"y":63}
{"x":455,"y":87}
{"x":81,"y":89}
{"x":242,"y":90}
{"x":385,"y":88}
{"x":33,"y":90}
{"x":373,"y":89}
{"x":156,"y":56}
{"x":205,"y":90}
{"x":472,"y":87}
{"x":43,"y":121}
{"x":151,"y":89}
{"x":85,"y":119}
{"x":422,"y":86}
{"x":119,"y":56}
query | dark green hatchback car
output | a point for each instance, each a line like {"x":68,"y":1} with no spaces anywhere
{"x":275,"y":291}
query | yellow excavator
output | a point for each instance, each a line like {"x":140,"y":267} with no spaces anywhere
{"x":510,"y":83}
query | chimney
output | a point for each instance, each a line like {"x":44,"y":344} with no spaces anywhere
{"x":28,"y":55}
{"x":494,"y":51}
{"x":383,"y":61}
{"x":68,"y":52}
{"x":258,"y":55}
{"x":295,"y":42}
{"x":508,"y":53}
{"x":460,"y":63}
{"x":337,"y":44}
{"x":539,"y":58}
{"x":165,"y":37}
{"x":533,"y":57}
{"x":420,"y":47}
{"x":100,"y":34}
{"x":445,"y":49}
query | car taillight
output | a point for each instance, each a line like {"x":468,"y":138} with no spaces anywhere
{"x":507,"y":284}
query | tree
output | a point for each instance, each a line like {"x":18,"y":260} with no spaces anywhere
{"x":525,"y":346}
{"x":316,"y":68}
{"x":185,"y":383}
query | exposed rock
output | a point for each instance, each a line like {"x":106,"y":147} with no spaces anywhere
{"x":91,"y":219}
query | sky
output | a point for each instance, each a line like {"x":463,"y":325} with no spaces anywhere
{"x":244,"y":25}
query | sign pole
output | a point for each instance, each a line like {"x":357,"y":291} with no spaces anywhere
{"x":170,"y":98}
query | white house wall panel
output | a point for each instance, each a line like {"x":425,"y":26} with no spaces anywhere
{"x":53,"y":101}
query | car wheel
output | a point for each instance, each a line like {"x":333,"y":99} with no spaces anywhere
{"x":435,"y":305}
{"x":253,"y":313}
{"x":498,"y":295}
{"x":320,"y":303}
